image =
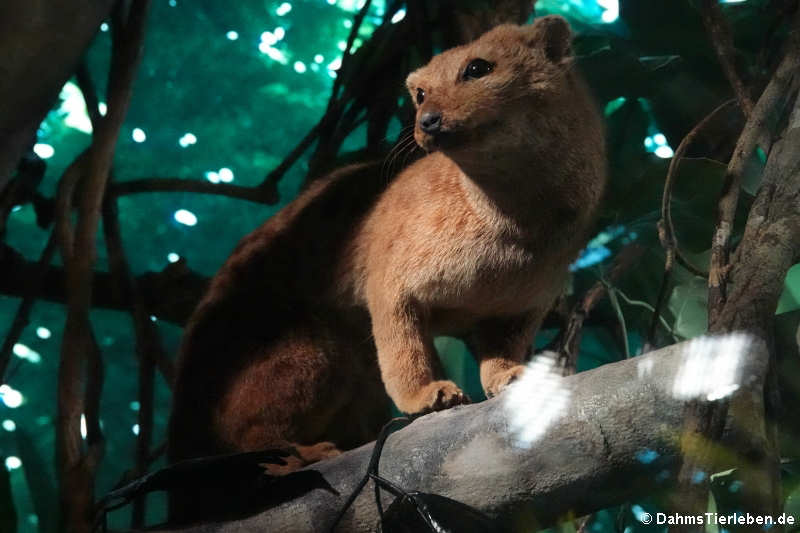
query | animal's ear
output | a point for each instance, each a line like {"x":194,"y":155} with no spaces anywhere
{"x":553,"y":34}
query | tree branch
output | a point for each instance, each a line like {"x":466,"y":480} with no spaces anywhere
{"x":771,"y":244}
{"x":757,"y":127}
{"x":258,"y":194}
{"x":22,"y":318}
{"x":722,"y":39}
{"x":666,"y":228}
{"x":571,"y":336}
{"x":169,"y":295}
{"x":81,"y":366}
{"x":626,"y":415}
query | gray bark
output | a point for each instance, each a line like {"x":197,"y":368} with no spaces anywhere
{"x":615,"y":438}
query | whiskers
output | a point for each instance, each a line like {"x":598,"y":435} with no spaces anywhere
{"x":398,"y":156}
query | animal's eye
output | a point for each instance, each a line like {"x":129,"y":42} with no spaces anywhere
{"x":477,"y":68}
{"x":420,"y":96}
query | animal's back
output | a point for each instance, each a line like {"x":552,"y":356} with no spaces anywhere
{"x":251,"y":335}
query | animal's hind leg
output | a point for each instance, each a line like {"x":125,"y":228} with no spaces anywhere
{"x":305,"y":455}
{"x":288,"y":395}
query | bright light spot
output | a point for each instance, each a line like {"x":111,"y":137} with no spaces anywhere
{"x":188,"y":139}
{"x":23,"y":352}
{"x":341,"y":45}
{"x":138,"y":135}
{"x":731,"y":1}
{"x":611,"y":12}
{"x":185,"y":217}
{"x":283,"y":9}
{"x":33,"y":519}
{"x":9,"y":425}
{"x":45,"y":151}
{"x":664,"y":152}
{"x":648,"y":144}
{"x":12,"y":463}
{"x":536,"y":400}
{"x":104,"y":26}
{"x":103,"y":108}
{"x":269,"y":38}
{"x":319,"y":58}
{"x":225,"y":175}
{"x":232,"y":35}
{"x":660,"y":139}
{"x":711,"y":367}
{"x":212,"y":176}
{"x":273,"y":53}
{"x":19,"y":207}
{"x":336,"y":64}
{"x":135,"y":429}
{"x":11,"y":398}
{"x":172,"y":257}
{"x":74,"y":107}
{"x":173,"y":3}
{"x":332,"y":2}
{"x":43,"y":333}
{"x":84,"y":432}
{"x":153,"y":318}
{"x":299,"y":67}
{"x":20,"y":350}
{"x":135,"y":405}
{"x":400,"y":15}
{"x":644,"y":368}
{"x":348,"y":23}
{"x":279,"y":33}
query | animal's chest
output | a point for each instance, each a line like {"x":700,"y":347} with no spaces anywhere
{"x":485,"y":277}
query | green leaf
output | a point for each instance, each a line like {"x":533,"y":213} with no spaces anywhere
{"x":689,"y":305}
{"x":790,"y":297}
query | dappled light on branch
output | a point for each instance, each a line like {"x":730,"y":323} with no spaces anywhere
{"x":536,"y":401}
{"x":711,"y":367}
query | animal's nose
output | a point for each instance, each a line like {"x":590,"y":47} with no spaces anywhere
{"x":431,"y":122}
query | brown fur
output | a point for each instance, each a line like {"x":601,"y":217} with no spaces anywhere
{"x":472,"y":240}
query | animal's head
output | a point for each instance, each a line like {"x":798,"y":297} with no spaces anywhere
{"x":476,"y":96}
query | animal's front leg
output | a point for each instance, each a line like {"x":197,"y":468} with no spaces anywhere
{"x":408,"y":359}
{"x":501,"y":346}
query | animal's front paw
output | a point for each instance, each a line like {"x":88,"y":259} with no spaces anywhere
{"x":436,"y":396}
{"x":502,"y":379}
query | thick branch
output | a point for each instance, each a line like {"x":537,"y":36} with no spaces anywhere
{"x":613,"y":440}
{"x":757,"y":127}
{"x":80,"y":369}
{"x":169,"y":295}
{"x":771,"y":241}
